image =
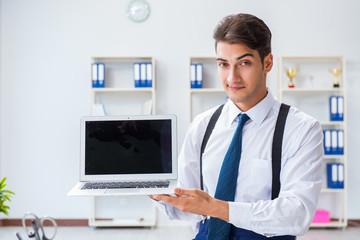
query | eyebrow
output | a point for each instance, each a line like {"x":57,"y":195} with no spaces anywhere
{"x":242,"y":56}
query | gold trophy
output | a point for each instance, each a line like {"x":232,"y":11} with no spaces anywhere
{"x":336,"y":73}
{"x":291,"y":73}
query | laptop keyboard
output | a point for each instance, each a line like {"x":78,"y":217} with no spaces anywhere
{"x":122,"y":185}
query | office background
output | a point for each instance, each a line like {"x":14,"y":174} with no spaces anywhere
{"x":45,"y":50}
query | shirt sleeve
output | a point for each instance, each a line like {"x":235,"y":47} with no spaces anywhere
{"x":301,"y":177}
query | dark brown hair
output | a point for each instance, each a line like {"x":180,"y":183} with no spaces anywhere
{"x":246,"y":29}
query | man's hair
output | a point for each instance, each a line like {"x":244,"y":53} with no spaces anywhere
{"x":246,"y":29}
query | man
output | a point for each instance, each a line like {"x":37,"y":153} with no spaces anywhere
{"x":243,"y":49}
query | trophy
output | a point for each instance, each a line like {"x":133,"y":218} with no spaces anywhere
{"x":336,"y":73}
{"x":291,"y":73}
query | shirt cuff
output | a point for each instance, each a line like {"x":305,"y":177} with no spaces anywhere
{"x":240,"y":214}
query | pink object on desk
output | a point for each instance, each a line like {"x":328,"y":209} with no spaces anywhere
{"x":321,"y":216}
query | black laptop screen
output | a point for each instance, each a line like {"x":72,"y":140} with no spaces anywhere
{"x":128,"y":147}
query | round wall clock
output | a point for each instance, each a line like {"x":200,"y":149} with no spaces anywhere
{"x":138,"y":10}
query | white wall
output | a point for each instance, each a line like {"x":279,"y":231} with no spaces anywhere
{"x":44,"y":83}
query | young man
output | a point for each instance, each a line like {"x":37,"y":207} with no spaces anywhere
{"x":243,"y":49}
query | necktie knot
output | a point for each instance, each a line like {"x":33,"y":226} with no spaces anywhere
{"x":242,"y":119}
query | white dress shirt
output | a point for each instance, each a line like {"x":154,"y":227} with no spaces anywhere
{"x":301,"y":168}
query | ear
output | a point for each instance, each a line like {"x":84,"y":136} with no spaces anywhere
{"x":268,"y":62}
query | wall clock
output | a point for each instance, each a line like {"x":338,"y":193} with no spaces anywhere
{"x":138,"y":10}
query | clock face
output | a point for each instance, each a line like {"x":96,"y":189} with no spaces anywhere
{"x":138,"y":10}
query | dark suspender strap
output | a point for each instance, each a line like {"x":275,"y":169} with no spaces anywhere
{"x":276,"y":149}
{"x":276,"y":146}
{"x":208,"y":132}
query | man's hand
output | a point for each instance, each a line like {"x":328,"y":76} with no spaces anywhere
{"x":197,"y":202}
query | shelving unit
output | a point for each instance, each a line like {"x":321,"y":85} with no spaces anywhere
{"x":313,"y":88}
{"x":212,"y":93}
{"x":120,"y":97}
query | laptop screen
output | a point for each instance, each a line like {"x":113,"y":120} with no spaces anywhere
{"x":128,"y":147}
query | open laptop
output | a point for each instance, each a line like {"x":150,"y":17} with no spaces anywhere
{"x":127,"y":155}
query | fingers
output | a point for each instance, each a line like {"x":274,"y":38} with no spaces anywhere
{"x":185,"y":192}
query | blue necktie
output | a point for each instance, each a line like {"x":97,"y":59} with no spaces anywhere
{"x":225,"y":189}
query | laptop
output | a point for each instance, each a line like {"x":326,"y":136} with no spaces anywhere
{"x":127,"y":155}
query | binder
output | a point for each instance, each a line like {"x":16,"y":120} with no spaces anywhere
{"x":327,"y":142}
{"x":142,"y":74}
{"x":333,"y":108}
{"x":340,"y":142}
{"x":332,"y":175}
{"x":101,"y":75}
{"x":94,"y":75}
{"x":137,"y":74}
{"x":199,"y":75}
{"x":340,"y":175}
{"x":193,"y":75}
{"x":335,"y":175}
{"x":334,"y":142}
{"x":340,"y":108}
{"x":149,"y":74}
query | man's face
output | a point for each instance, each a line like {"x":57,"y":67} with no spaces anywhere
{"x":242,"y":73}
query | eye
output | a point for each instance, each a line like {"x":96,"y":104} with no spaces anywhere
{"x":223,"y":64}
{"x":244,"y":63}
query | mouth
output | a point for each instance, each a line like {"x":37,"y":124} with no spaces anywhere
{"x":236,"y":88}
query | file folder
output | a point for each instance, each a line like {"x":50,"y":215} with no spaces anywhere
{"x":335,"y":175}
{"x":94,"y":75}
{"x":142,"y":74}
{"x":149,"y":75}
{"x":193,"y":75}
{"x":334,"y":142}
{"x":199,"y":75}
{"x":340,"y":175}
{"x":137,"y":74}
{"x":101,"y":75}
{"x":340,"y":142}
{"x":340,"y":108}
{"x":332,"y":175}
{"x":333,"y":108}
{"x":327,"y":142}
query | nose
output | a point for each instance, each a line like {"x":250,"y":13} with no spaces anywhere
{"x":233,"y":75}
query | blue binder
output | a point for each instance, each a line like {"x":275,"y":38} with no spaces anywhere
{"x":327,"y":141}
{"x":101,"y":75}
{"x":332,"y":175}
{"x":94,"y":75}
{"x":340,"y":108}
{"x":98,"y":75}
{"x":142,"y":74}
{"x":193,"y":75}
{"x":334,"y":142}
{"x":149,"y":74}
{"x":136,"y":74}
{"x":335,"y":175}
{"x":333,"y":108}
{"x":196,"y":75}
{"x":199,"y":75}
{"x":340,"y":142}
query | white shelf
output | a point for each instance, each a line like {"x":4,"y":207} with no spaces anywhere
{"x":331,"y":224}
{"x":332,"y":123}
{"x":332,"y":190}
{"x":328,"y":156}
{"x":313,"y":87}
{"x":120,"y":97}
{"x":119,"y":90}
{"x":312,"y":90}
{"x":212,"y":93}
{"x":207,"y":90}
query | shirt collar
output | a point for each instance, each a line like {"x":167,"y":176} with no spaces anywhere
{"x":256,"y":113}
